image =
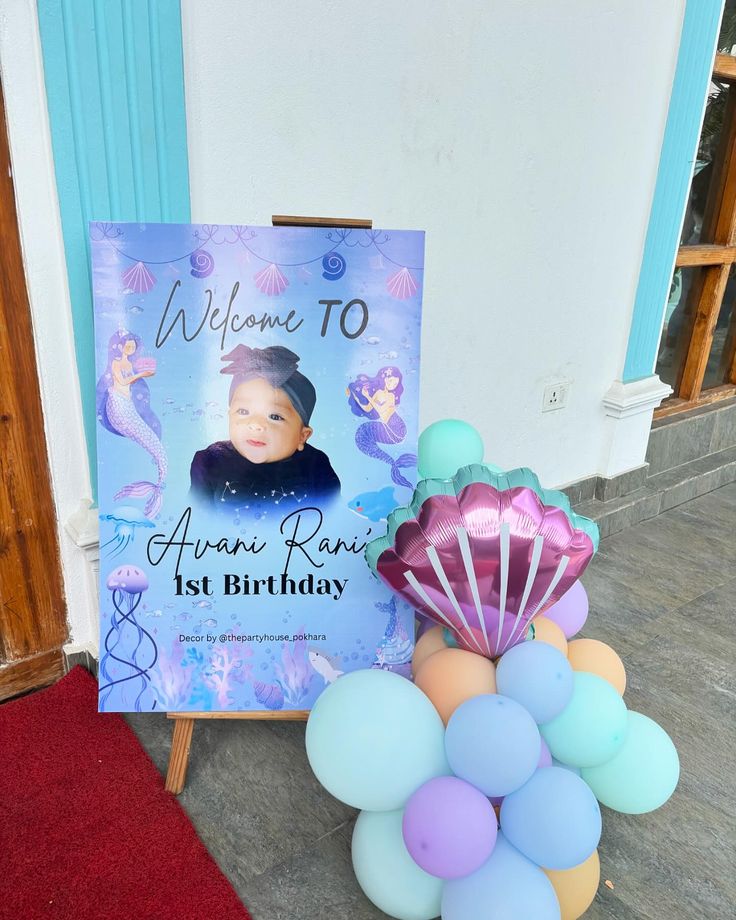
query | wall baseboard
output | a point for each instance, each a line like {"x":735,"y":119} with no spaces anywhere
{"x":688,"y":455}
{"x":87,"y":657}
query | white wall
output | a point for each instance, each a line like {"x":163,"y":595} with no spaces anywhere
{"x":43,"y":252}
{"x":524,"y":137}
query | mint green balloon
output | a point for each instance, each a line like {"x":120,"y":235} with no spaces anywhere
{"x":446,"y":446}
{"x":386,"y":872}
{"x":591,"y":728}
{"x":373,"y":739}
{"x":644,"y":772}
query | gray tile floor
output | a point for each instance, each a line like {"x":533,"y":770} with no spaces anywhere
{"x":664,"y":595}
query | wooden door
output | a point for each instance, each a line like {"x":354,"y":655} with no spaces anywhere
{"x":33,"y":624}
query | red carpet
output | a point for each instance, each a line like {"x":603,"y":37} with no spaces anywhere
{"x":87,"y":831}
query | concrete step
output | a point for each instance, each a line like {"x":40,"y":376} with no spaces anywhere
{"x":661,"y":492}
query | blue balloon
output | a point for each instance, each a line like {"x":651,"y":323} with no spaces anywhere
{"x":506,"y":887}
{"x":538,"y":676}
{"x":373,"y":739}
{"x":554,"y":819}
{"x":493,"y":743}
{"x":386,"y":872}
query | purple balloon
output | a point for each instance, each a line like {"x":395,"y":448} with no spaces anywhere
{"x":449,"y":827}
{"x":484,"y":562}
{"x":571,"y":610}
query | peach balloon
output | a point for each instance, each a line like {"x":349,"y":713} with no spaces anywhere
{"x":451,"y":676}
{"x":597,"y":658}
{"x":547,"y":631}
{"x":575,"y":888}
{"x":433,"y":640}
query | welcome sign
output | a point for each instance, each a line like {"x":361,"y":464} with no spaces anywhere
{"x":257,"y":421}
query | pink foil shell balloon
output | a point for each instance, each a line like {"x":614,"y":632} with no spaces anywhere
{"x":483,"y":560}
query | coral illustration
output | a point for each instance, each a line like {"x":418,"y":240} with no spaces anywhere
{"x":225,"y":667}
{"x":172,"y":680}
{"x":294,"y":673}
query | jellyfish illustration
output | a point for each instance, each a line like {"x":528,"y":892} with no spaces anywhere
{"x":126,"y":519}
{"x":130,"y":650}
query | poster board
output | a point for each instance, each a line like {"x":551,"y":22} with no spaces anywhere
{"x":275,"y":600}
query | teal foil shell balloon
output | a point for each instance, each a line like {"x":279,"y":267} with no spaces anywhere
{"x":484,"y":553}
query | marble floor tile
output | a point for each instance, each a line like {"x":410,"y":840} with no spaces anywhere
{"x":663,"y":594}
{"x":318,"y":883}
{"x":250,"y":792}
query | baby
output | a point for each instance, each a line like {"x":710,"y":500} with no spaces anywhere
{"x":267,"y":457}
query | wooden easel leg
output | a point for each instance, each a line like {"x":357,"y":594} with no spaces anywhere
{"x":181,"y":743}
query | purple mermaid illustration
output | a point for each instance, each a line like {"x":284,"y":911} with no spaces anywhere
{"x":124,"y":408}
{"x":377,"y":399}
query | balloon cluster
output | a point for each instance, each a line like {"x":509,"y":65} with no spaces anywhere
{"x":479,"y":784}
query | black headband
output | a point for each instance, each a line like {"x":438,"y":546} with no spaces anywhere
{"x":278,"y":366}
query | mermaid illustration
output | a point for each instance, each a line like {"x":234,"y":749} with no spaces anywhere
{"x":377,"y":398}
{"x":395,"y":649}
{"x":124,"y":408}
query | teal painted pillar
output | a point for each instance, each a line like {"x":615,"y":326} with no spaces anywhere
{"x":115,"y":87}
{"x":690,"y":86}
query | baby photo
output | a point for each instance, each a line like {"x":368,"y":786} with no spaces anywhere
{"x":266,"y":458}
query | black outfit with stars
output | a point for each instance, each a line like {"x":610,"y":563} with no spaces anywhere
{"x":220,"y":475}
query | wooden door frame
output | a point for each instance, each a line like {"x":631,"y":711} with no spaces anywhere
{"x":714,"y":259}
{"x":33,"y":621}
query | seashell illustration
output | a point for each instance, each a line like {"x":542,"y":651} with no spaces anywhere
{"x":138,"y":279}
{"x":202,"y":264}
{"x":271,"y":280}
{"x":483,"y":554}
{"x":402,"y":285}
{"x":333,"y":266}
{"x":271,"y":695}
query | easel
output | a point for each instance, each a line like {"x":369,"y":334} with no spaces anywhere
{"x":181,"y":742}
